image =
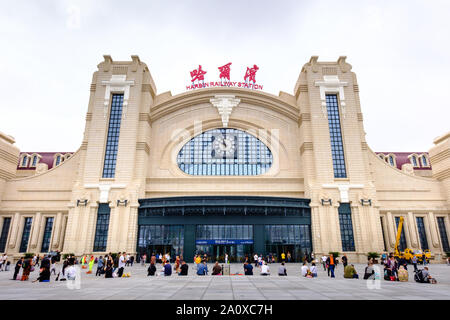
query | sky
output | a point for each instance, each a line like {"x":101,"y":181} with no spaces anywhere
{"x":399,"y":51}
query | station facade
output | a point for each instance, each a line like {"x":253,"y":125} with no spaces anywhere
{"x":224,"y":170}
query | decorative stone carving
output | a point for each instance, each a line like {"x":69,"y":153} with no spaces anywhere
{"x":118,"y":83}
{"x":332,"y":84}
{"x":408,"y":168}
{"x":41,"y":167}
{"x":225,"y":105}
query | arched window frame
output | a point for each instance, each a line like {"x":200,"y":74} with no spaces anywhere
{"x":38,"y":158}
{"x":381,"y":156}
{"x":413,"y":157}
{"x":55,"y":159}
{"x":427,"y":164}
{"x":22,"y":156}
{"x":394,"y":160}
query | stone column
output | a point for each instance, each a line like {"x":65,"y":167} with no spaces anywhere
{"x":133,"y":228}
{"x":56,"y":231}
{"x":14,"y":232}
{"x":32,"y":244}
{"x":433,"y":227}
{"x":391,"y":230}
{"x":412,"y":232}
{"x":359,"y":227}
{"x":112,"y":243}
{"x":317,"y":230}
{"x":90,"y":227}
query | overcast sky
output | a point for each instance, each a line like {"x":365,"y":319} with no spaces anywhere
{"x":399,"y":50}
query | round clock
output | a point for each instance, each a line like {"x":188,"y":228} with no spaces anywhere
{"x":224,"y":147}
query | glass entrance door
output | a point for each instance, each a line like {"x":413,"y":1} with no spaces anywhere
{"x":236,"y":252}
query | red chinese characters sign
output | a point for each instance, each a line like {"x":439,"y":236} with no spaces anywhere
{"x":224,"y":76}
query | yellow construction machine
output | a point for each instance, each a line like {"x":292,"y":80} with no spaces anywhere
{"x":408,"y":254}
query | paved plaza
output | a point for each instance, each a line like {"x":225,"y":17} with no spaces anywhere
{"x":234,"y":287}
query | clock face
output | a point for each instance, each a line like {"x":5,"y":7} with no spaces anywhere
{"x":224,"y":146}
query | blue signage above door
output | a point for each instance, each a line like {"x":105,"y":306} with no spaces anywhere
{"x":228,"y":241}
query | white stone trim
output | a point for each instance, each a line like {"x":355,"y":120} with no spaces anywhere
{"x":118,"y":83}
{"x":225,"y":104}
{"x":343,"y":188}
{"x":104,"y":189}
{"x":332,"y":84}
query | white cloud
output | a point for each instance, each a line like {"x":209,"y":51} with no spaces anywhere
{"x":399,"y":51}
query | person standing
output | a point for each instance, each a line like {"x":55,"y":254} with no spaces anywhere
{"x":424,"y":259}
{"x":99,"y":266}
{"x":289,"y":256}
{"x":313,"y":270}
{"x":27,"y":265}
{"x":122,"y":263}
{"x":283,"y":257}
{"x":324,"y":262}
{"x":226,"y":258}
{"x":414,"y":262}
{"x":331,"y":265}
{"x":255,"y":258}
{"x":344,"y":260}
{"x":17,"y":267}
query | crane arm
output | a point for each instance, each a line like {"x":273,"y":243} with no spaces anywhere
{"x":399,"y":234}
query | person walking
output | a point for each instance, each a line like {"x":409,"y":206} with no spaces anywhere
{"x":19,"y":265}
{"x":255,"y":258}
{"x":100,"y":266}
{"x":331,"y":265}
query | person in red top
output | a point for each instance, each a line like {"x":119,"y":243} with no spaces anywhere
{"x":331,"y":264}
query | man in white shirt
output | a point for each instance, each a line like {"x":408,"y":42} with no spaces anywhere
{"x":122,"y":262}
{"x":324,"y":263}
{"x":304,"y":270}
{"x":265,"y":271}
{"x":255,"y":257}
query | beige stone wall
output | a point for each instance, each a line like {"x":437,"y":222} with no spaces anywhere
{"x":155,"y":127}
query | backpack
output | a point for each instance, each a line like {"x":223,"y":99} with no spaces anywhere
{"x":418,"y":276}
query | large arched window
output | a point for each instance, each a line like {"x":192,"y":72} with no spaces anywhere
{"x":224,"y":152}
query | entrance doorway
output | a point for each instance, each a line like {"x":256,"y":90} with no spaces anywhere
{"x":236,"y":252}
{"x":295,"y":251}
{"x":161,"y":249}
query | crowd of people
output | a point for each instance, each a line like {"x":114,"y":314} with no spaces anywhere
{"x":113,"y":266}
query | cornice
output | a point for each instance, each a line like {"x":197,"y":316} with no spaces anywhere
{"x":201,"y":96}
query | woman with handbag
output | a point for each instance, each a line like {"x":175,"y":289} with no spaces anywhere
{"x":27,"y":268}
